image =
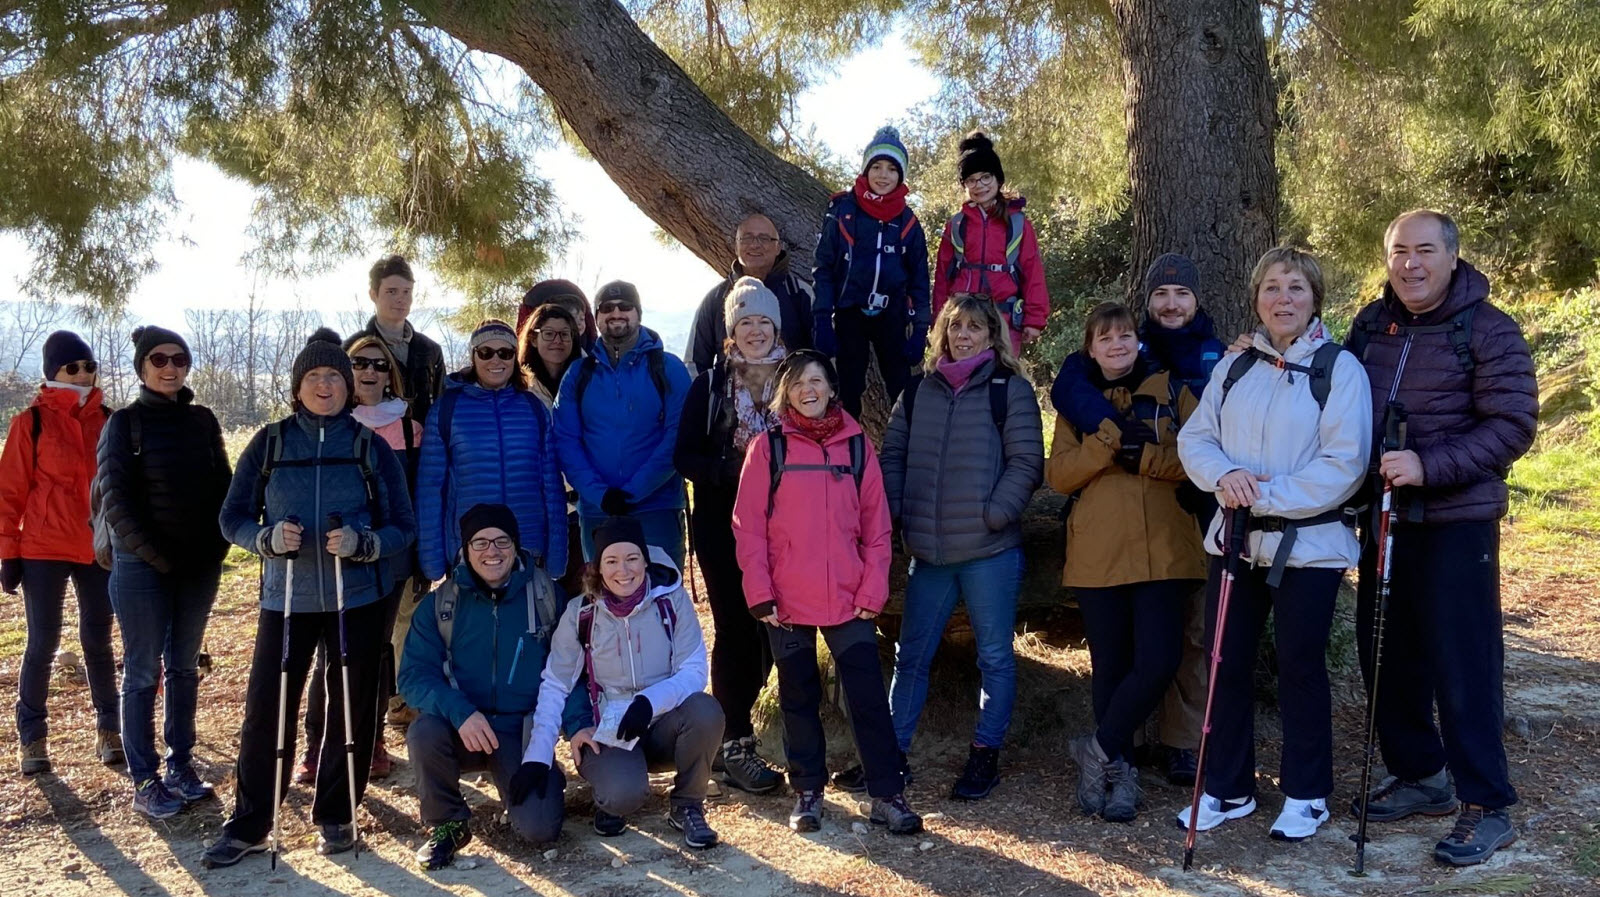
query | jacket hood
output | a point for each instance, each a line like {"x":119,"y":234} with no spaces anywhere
{"x":648,"y":341}
{"x":1468,"y":286}
{"x":1304,"y":346}
{"x":662,"y":577}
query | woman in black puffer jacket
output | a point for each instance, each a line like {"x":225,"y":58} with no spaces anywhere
{"x":163,"y":473}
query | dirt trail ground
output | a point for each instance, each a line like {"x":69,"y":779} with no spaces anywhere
{"x":74,"y":834}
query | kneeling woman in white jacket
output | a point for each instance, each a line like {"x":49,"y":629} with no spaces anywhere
{"x":1283,"y":429}
{"x":631,"y":649}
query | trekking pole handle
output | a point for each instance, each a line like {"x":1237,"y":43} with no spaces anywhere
{"x":335,"y":521}
{"x":1236,"y":527}
{"x":292,"y":555}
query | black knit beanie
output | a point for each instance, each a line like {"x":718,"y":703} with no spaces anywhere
{"x":978,"y":156}
{"x":148,"y":337}
{"x":483,"y":516}
{"x":1174,"y":269}
{"x":61,"y":348}
{"x":619,"y":529}
{"x":323,"y":351}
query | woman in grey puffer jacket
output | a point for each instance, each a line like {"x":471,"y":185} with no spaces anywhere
{"x":959,"y":473}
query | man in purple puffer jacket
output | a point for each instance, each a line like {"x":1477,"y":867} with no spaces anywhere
{"x":1458,"y":370}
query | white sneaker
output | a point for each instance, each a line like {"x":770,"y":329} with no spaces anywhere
{"x":1214,"y":811}
{"x":1300,"y":819}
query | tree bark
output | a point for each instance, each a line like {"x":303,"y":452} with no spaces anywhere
{"x":1201,"y":116}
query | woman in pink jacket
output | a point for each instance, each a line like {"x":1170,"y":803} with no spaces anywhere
{"x":989,"y":246}
{"x":811,"y":530}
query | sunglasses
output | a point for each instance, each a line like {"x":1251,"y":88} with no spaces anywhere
{"x":160,"y":359}
{"x":607,"y":307}
{"x":73,"y":367}
{"x":485,"y":353}
{"x":361,"y":363}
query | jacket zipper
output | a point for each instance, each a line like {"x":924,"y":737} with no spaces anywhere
{"x":494,"y":651}
{"x":500,"y":437}
{"x":877,"y":264}
{"x":316,"y":507}
{"x":938,"y":518}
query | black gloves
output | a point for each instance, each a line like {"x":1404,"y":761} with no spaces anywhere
{"x":530,"y":778}
{"x":636,"y":720}
{"x":615,"y":502}
{"x":1129,"y":457}
{"x":10,"y":575}
{"x":1136,"y":432}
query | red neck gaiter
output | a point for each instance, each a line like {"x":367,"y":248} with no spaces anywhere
{"x":883,"y":208}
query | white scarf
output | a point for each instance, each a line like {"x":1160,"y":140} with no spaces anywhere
{"x":82,"y":391}
{"x":375,"y":417}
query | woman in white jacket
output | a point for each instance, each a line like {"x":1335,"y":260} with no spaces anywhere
{"x":1283,"y":429}
{"x":632,"y":649}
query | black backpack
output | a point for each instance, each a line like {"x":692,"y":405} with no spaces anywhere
{"x":1320,"y":370}
{"x":1459,"y":328}
{"x":777,"y":462}
{"x":655,"y":358}
{"x":999,"y":398}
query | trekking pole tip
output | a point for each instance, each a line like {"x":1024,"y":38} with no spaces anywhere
{"x":1188,"y":858}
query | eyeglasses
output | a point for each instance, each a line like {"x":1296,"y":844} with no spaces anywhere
{"x":983,"y":179}
{"x":554,"y":336}
{"x":501,"y":542}
{"x":361,"y":363}
{"x":88,"y":367}
{"x":615,"y":305}
{"x":485,"y":353}
{"x":756,"y":241}
{"x":160,"y":359}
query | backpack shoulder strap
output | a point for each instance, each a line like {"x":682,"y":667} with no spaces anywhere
{"x":274,"y":454}
{"x":34,"y":430}
{"x":136,"y":429}
{"x":1362,"y":329}
{"x":1461,"y":338}
{"x":669,"y":622}
{"x":362,"y":449}
{"x":585,"y":641}
{"x":858,"y":458}
{"x":1236,"y":371}
{"x":908,"y":396}
{"x":445,"y":599}
{"x":1000,"y":400}
{"x":447,"y":413}
{"x":656,"y":360}
{"x":778,"y":450}
{"x":1015,"y":226}
{"x":585,"y":374}
{"x":1322,"y":363}
{"x":541,"y":602}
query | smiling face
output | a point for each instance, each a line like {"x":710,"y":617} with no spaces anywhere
{"x":618,"y":321}
{"x":757,"y":240}
{"x":391,"y":301}
{"x":83,"y":377}
{"x":1420,"y":262}
{"x":371,"y":383}
{"x":1285,"y":304}
{"x":1173,"y":306}
{"x":1115,"y":349}
{"x":555,"y":342}
{"x":622,"y":568}
{"x":982,"y":188}
{"x":809,"y":392}
{"x":495,"y":371}
{"x":169,"y":379}
{"x":323,"y":392}
{"x":966,"y":336}
{"x":755,"y":335}
{"x":492,"y":562}
{"x":883,"y":176}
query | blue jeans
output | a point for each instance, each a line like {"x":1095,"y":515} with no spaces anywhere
{"x":163,"y":619}
{"x":989,"y":587}
{"x":663,"y":529}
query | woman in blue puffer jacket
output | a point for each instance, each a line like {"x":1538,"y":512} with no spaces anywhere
{"x":490,"y":441}
{"x":318,"y":490}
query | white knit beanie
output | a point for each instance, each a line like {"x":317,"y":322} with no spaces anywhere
{"x":749,"y":296}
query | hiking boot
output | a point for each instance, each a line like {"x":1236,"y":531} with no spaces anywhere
{"x":854,"y":779}
{"x":1479,"y":832}
{"x":744,"y":769}
{"x":980,"y":776}
{"x":202,"y":666}
{"x":184,"y":783}
{"x":1124,"y":793}
{"x":1396,"y":798}
{"x":335,"y":838}
{"x":306,"y":772}
{"x":1214,"y":811}
{"x":1091,"y":760}
{"x":399,"y":715}
{"x":1182,"y":766}
{"x":807,"y":813}
{"x":382,"y":763}
{"x":108,"y":747}
{"x":896,"y":814}
{"x":154,"y":800}
{"x":228,"y":851}
{"x":607,"y":825}
{"x":691,"y":820}
{"x":1300,"y":819}
{"x":33,"y":758}
{"x":440,"y":848}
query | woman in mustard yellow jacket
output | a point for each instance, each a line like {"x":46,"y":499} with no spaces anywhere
{"x":1133,"y":553}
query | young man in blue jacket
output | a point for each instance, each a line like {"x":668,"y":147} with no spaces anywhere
{"x":616,"y":421}
{"x":471,"y":668}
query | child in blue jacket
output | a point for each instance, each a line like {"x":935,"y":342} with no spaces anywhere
{"x":871,"y":276}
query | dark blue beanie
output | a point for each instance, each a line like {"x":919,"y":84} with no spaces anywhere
{"x":1172,"y":268}
{"x":61,"y":348}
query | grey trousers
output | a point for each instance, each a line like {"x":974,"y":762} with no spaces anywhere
{"x":439,"y":758}
{"x":683,"y":739}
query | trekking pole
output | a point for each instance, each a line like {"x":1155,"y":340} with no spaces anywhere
{"x":1235,"y":526}
{"x":283,"y":697}
{"x":336,"y":522}
{"x":694,"y":558}
{"x":1394,"y":441}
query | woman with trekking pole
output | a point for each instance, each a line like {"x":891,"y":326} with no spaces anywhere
{"x":163,"y":476}
{"x":1133,"y":552}
{"x":324,"y":502}
{"x":1284,"y":429}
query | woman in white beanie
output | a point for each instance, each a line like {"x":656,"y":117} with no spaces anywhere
{"x":728,"y":406}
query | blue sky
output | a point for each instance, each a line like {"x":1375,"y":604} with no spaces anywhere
{"x":201,"y":267}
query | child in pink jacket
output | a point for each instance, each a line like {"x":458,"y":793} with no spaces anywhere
{"x":811,"y":527}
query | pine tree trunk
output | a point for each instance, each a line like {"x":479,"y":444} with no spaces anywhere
{"x":1201,"y":116}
